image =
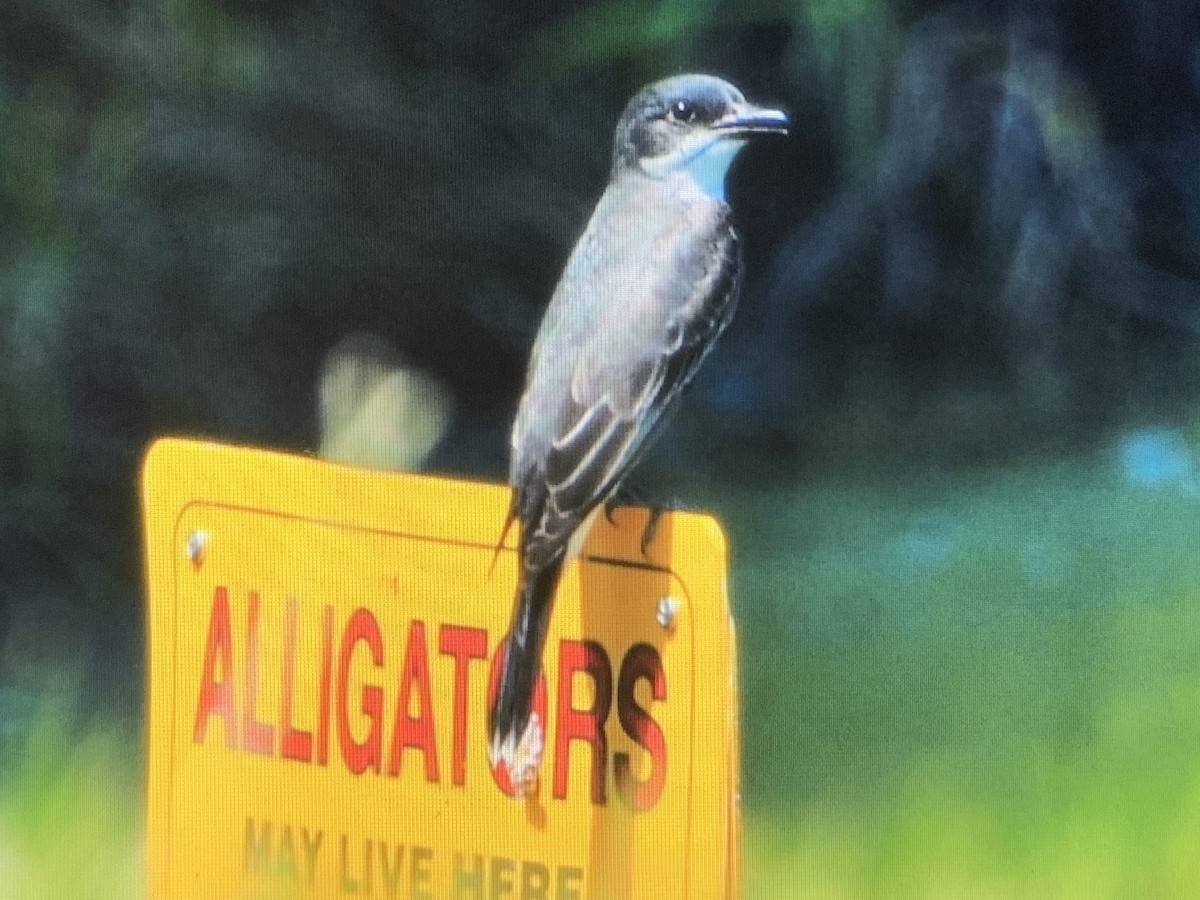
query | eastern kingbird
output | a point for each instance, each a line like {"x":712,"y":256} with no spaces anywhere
{"x":646,"y":291}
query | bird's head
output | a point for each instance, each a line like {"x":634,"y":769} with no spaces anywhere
{"x":691,"y":123}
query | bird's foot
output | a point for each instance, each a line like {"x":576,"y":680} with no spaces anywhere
{"x":520,"y":759}
{"x":651,"y":528}
{"x":615,"y":501}
{"x":629,"y":497}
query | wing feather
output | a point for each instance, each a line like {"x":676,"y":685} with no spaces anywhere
{"x":663,"y":308}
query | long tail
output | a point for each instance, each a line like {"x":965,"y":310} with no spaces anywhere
{"x":522,"y":663}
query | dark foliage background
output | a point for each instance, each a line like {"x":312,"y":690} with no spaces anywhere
{"x":979,"y":245}
{"x":989,"y":211}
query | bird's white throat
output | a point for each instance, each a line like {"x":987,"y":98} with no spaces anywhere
{"x":709,"y":167}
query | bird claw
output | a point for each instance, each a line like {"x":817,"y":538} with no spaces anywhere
{"x":627,"y":497}
{"x":651,"y":529}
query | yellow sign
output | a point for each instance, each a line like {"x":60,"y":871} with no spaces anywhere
{"x":322,"y":644}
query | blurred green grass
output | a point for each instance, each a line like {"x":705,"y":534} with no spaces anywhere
{"x":954,"y":686}
{"x":973,"y":687}
{"x":70,"y":806}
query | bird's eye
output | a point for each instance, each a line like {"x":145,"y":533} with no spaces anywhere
{"x":682,"y":112}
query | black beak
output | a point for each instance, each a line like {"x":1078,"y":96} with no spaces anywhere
{"x":744,"y":118}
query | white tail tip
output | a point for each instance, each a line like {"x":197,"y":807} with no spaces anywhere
{"x":522,"y":758}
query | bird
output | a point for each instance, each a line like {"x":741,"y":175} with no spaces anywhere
{"x":648,"y":288}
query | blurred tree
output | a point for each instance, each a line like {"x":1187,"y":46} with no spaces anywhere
{"x":983,"y":234}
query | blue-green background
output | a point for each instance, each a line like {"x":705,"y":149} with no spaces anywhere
{"x":954,"y":432}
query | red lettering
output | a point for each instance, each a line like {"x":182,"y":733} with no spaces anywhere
{"x":365,"y":755}
{"x":415,"y":731}
{"x":642,"y":661}
{"x":464,"y":644}
{"x":582,"y":724}
{"x":257,"y":737}
{"x":216,"y":696}
{"x":360,"y":722}
{"x":326,"y":679}
{"x":294,"y":743}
